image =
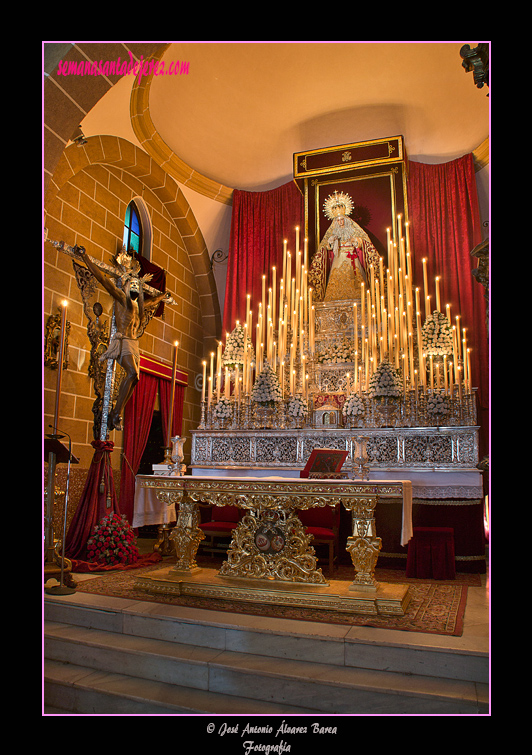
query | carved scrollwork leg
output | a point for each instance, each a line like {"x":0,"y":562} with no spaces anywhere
{"x":363,"y":545}
{"x":186,"y":535}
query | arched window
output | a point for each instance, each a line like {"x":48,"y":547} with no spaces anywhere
{"x":133,"y":230}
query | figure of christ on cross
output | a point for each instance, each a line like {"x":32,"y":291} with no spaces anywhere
{"x":130,"y":310}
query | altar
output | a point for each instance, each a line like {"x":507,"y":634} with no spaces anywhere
{"x":271,"y":557}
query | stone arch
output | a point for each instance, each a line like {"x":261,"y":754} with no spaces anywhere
{"x":118,"y":152}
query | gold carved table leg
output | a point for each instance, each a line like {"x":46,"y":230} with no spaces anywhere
{"x":363,"y":545}
{"x":186,"y":535}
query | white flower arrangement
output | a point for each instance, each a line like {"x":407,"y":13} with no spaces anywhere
{"x":223,"y":409}
{"x":385,"y":382}
{"x":337,"y":353}
{"x":234,"y":348}
{"x":267,"y":388}
{"x":297,"y":407}
{"x":437,"y":335}
{"x":354,"y":406}
{"x":437,"y":404}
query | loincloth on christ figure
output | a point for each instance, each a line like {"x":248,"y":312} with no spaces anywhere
{"x":121,"y":346}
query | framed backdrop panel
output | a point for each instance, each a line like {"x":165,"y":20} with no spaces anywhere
{"x":372,"y":173}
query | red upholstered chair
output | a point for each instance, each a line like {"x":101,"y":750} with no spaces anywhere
{"x":323,"y":524}
{"x":431,"y":553}
{"x":223,"y":521}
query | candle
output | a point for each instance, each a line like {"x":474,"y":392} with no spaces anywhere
{"x":274,"y":293}
{"x":245,"y":364}
{"x":438,"y":293}
{"x":312,"y":328}
{"x":263,"y":305}
{"x":425,"y":287}
{"x":60,"y":360}
{"x":172,"y":396}
{"x":227,"y":383}
{"x":211,"y":379}
{"x":204,"y":380}
{"x":458,"y":343}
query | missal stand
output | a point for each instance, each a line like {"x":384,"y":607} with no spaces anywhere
{"x":56,"y":565}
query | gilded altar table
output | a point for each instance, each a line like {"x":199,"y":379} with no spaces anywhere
{"x":271,"y":557}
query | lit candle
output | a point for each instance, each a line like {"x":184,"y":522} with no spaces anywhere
{"x":263,"y":305}
{"x":425,"y":287}
{"x":274,"y":293}
{"x":204,"y":380}
{"x":437,"y":293}
{"x":172,"y":397}
{"x":211,"y":378}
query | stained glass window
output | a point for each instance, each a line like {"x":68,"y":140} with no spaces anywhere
{"x":132,"y":230}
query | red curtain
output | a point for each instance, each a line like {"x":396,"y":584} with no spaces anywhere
{"x":93,"y":503}
{"x":445,"y":224}
{"x":138,"y":416}
{"x":165,"y":395}
{"x":261,"y":220}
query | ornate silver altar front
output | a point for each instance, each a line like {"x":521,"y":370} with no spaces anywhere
{"x":424,"y":448}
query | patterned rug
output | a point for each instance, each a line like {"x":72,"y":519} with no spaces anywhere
{"x":435,"y":607}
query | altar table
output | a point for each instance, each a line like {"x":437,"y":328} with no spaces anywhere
{"x":270,"y":542}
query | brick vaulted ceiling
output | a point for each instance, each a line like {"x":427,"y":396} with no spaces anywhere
{"x":238,"y":112}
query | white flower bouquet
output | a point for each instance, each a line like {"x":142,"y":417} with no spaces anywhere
{"x":354,"y":406}
{"x":223,"y":409}
{"x":267,"y":389}
{"x":337,"y":353}
{"x":437,"y":404}
{"x":385,"y":382}
{"x":297,"y":407}
{"x":234,"y":348}
{"x":437,"y":335}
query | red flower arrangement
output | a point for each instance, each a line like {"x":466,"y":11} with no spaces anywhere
{"x":112,"y":542}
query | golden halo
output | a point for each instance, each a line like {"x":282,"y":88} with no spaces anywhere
{"x":335,"y":201}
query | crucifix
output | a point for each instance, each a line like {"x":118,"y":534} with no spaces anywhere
{"x":132,"y":310}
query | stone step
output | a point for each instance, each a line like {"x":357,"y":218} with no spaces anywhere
{"x":71,"y":689}
{"x":123,"y":660}
{"x":365,"y":648}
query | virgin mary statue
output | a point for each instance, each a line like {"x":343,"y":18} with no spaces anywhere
{"x":344,"y":255}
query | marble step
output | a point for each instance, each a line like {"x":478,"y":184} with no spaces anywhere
{"x":125,"y":660}
{"x":360,"y":647}
{"x":71,"y":689}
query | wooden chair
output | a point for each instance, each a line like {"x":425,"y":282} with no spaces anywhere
{"x":323,"y":524}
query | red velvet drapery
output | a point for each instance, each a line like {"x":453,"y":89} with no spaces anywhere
{"x":261,"y":220}
{"x":138,"y":416}
{"x":445,"y":228}
{"x":93,"y":503}
{"x":165,"y":396}
{"x":137,"y":423}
